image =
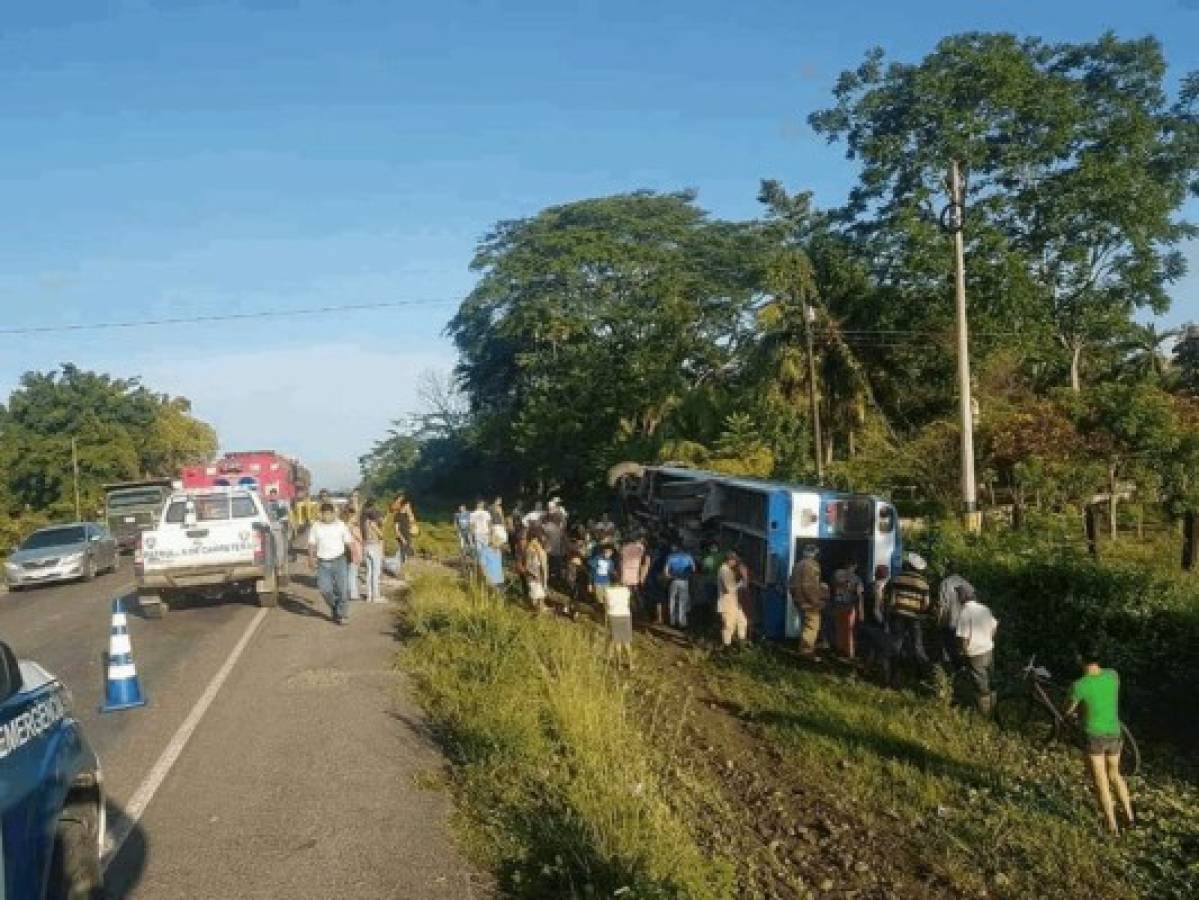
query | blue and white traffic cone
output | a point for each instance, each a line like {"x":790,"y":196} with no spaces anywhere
{"x":121,"y":687}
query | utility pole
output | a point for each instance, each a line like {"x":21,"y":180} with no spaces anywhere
{"x":971,"y":516}
{"x":75,"y":469}
{"x":809,"y":319}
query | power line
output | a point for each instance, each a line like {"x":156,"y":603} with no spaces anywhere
{"x":220,"y":317}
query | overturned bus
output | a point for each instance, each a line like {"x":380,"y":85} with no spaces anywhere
{"x":767,"y":523}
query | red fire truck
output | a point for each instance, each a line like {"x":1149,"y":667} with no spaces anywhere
{"x":266,"y":471}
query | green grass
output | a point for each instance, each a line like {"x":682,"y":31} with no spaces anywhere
{"x":438,"y":539}
{"x":559,"y":779}
{"x":985,"y":810}
{"x":572,"y":784}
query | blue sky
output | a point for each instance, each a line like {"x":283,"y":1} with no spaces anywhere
{"x":170,"y":158}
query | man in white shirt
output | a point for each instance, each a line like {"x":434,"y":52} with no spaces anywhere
{"x":976,"y":640}
{"x":327,"y":543}
{"x":480,"y":526}
{"x":949,"y":607}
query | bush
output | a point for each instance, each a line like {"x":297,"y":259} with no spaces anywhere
{"x":1051,"y":597}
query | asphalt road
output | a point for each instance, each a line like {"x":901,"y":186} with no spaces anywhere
{"x":279,"y":755}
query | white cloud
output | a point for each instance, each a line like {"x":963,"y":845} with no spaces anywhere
{"x":326,"y":403}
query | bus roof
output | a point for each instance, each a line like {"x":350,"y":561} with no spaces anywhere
{"x":755,"y":484}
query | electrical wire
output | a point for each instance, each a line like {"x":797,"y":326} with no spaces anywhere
{"x":219,"y":317}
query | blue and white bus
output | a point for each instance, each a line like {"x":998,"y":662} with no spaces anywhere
{"x":767,"y":523}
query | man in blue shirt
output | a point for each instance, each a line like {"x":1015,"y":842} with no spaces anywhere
{"x":679,"y":569}
{"x":603,"y":572}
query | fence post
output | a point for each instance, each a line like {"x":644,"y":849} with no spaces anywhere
{"x":1091,"y":523}
{"x":1190,"y":541}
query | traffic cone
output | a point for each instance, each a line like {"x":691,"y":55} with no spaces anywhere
{"x":121,"y":687}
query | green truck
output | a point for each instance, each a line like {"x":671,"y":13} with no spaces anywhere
{"x":131,"y":507}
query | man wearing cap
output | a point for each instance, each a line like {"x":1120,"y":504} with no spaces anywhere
{"x":809,"y":594}
{"x":908,"y":602}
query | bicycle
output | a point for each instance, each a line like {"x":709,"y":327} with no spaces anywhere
{"x":1034,"y":711}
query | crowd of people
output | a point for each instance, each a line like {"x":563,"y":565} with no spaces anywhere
{"x":346,"y":549}
{"x":893,"y":622}
{"x":888,"y":624}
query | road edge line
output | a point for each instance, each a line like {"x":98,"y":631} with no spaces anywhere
{"x":158,"y":772}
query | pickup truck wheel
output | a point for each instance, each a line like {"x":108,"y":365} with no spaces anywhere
{"x":75,"y":866}
{"x":270,"y":596}
{"x":152,"y":606}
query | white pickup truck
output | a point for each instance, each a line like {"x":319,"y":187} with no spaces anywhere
{"x":210,"y":542}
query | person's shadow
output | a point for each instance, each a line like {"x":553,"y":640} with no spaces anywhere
{"x":296,"y":607}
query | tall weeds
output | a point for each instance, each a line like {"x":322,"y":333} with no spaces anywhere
{"x":560,"y":782}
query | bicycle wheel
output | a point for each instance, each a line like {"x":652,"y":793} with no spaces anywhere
{"x":1130,"y":756}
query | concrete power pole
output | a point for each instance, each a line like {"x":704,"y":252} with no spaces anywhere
{"x":971,"y":516}
{"x":809,"y":319}
{"x":75,"y":470}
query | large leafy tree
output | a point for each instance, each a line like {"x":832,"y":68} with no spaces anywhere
{"x":121,"y":430}
{"x":1076,"y":165}
{"x":592,"y":323}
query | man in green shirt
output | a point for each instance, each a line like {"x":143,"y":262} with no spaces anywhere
{"x":1098,"y":693}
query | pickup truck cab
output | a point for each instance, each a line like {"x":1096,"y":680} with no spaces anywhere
{"x":51,"y":797}
{"x":212,"y":542}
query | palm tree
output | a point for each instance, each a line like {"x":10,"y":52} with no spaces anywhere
{"x":1144,"y":354}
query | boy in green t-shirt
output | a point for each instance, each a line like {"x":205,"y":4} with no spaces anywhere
{"x":1098,"y":692}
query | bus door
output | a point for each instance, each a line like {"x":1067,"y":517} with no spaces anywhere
{"x":886,"y":539}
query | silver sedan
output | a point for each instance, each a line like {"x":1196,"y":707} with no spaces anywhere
{"x":61,"y":553}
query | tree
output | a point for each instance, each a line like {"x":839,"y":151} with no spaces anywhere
{"x":1134,"y":429}
{"x":592,"y":323}
{"x":1077,"y":165}
{"x":1143,"y":357}
{"x":1186,"y":359}
{"x":122,"y":430}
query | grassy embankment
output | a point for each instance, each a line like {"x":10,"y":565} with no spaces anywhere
{"x":560,"y":782}
{"x":576,"y":781}
{"x":983,"y":810}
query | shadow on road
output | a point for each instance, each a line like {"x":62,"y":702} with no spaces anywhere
{"x":296,"y":607}
{"x":124,"y":871}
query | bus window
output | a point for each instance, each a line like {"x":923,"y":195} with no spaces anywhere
{"x":849,"y":518}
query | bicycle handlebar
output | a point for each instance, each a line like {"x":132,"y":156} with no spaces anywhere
{"x":1040,"y":672}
